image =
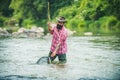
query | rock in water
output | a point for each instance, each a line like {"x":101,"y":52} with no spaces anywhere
{"x":88,"y":33}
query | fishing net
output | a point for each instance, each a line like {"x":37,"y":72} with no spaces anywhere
{"x":43,"y":60}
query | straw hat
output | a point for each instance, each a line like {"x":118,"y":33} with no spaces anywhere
{"x":61,"y":19}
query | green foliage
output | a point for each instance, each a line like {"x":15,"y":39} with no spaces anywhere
{"x":92,"y":16}
{"x":114,"y":8}
{"x":4,"y":8}
{"x":27,"y":23}
{"x":2,"y":20}
{"x":107,"y":24}
{"x":29,"y":11}
{"x":97,"y":16}
{"x":5,"y":11}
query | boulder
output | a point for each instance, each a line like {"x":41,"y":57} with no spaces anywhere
{"x":33,"y":32}
{"x":40,"y":29}
{"x":21,"y":30}
{"x":37,"y":29}
{"x":88,"y":33}
{"x":34,"y":28}
{"x":19,"y":34}
{"x":4,"y":32}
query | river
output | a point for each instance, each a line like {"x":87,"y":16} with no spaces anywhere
{"x":88,"y":58}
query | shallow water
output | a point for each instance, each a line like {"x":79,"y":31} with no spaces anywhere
{"x":88,"y":58}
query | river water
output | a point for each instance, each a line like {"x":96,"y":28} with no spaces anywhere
{"x":88,"y":58}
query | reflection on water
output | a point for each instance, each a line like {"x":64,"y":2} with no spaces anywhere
{"x":112,"y":42}
{"x":89,"y":58}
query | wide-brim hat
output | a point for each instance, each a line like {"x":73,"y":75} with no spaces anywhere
{"x":61,"y":19}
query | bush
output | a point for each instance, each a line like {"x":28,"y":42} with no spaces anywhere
{"x":27,"y":23}
{"x":107,"y":24}
{"x":2,"y":20}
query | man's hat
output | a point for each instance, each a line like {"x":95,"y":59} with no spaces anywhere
{"x":61,"y":19}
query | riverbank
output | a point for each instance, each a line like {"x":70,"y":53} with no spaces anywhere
{"x":38,"y":32}
{"x":23,"y":32}
{"x":28,"y":33}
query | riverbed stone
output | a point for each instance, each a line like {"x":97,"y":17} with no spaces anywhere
{"x":21,"y":30}
{"x":88,"y":33}
{"x":33,"y":32}
{"x":4,"y":32}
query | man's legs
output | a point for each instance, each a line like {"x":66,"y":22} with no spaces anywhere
{"x":62,"y":58}
{"x":50,"y":59}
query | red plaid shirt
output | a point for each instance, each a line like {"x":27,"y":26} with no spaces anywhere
{"x":59,"y":37}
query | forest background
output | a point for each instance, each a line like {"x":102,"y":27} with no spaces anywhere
{"x":96,"y":16}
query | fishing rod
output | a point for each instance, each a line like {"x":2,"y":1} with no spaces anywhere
{"x":49,"y":60}
{"x":48,"y":10}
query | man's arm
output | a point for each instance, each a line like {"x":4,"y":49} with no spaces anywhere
{"x":56,"y":49}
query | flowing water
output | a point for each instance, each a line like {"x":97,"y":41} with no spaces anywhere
{"x":88,"y":58}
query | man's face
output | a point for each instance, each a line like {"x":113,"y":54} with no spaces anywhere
{"x":60,"y":23}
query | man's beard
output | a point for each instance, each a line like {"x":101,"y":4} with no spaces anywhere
{"x":59,"y":27}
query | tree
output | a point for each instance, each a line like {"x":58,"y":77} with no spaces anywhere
{"x":5,"y":11}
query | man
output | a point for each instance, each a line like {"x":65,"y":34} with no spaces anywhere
{"x":59,"y":45}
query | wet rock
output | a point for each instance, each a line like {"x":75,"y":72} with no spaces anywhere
{"x":88,"y":33}
{"x":39,"y":34}
{"x":33,"y":32}
{"x":19,"y":34}
{"x":37,"y":29}
{"x":19,"y":77}
{"x":21,"y":30}
{"x":94,"y":79}
{"x":4,"y":32}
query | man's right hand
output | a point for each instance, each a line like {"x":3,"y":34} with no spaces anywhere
{"x":48,"y":23}
{"x":53,"y":54}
